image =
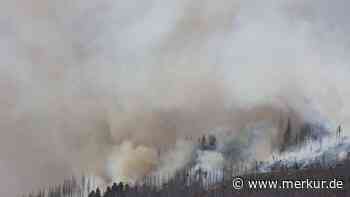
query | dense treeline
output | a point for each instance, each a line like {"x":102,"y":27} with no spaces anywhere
{"x":202,"y":184}
{"x":193,"y":183}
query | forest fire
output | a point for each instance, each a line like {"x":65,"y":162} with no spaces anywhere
{"x":170,"y":96}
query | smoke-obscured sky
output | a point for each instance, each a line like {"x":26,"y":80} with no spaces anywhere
{"x":77,"y":78}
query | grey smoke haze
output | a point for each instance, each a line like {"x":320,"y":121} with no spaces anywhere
{"x":82,"y":80}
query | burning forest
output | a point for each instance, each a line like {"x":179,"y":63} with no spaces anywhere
{"x":171,"y":98}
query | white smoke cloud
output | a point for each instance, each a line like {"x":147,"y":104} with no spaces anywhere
{"x":79,"y":78}
{"x":175,"y":159}
{"x":130,"y":163}
{"x":210,"y":160}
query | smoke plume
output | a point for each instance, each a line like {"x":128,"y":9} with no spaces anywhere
{"x":100,"y":87}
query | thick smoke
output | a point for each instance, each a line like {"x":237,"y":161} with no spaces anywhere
{"x":100,"y":86}
{"x":129,"y":163}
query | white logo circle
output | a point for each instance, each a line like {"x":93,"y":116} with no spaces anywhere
{"x":237,"y":183}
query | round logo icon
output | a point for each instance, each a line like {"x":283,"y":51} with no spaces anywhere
{"x":237,"y":183}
